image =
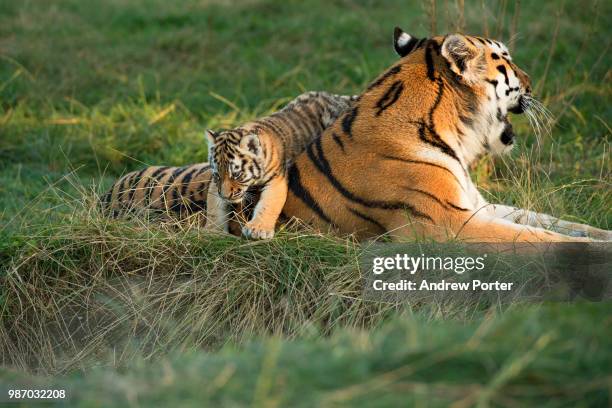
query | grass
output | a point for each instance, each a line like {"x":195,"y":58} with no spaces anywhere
{"x":536,"y":356}
{"x":91,"y":89}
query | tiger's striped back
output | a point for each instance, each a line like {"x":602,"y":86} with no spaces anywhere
{"x":177,"y":190}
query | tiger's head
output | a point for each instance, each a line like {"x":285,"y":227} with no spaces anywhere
{"x":485,"y":77}
{"x":236,"y":161}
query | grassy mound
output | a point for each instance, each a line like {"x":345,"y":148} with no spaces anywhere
{"x":85,"y":286}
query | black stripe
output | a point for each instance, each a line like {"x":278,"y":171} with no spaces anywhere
{"x":267,"y":122}
{"x":423,"y":162}
{"x":368,"y":219}
{"x":466,"y":120}
{"x":323,"y":166}
{"x":106,"y":199}
{"x":390,"y":97}
{"x":347,"y":121}
{"x":301,"y":123}
{"x":185,"y":182}
{"x":428,"y":194}
{"x":439,"y":93}
{"x":494,"y":82}
{"x":133,"y":189}
{"x":149,"y":187}
{"x":123,"y":185}
{"x":456,"y":207}
{"x":313,"y":121}
{"x":499,"y":115}
{"x":200,"y":205}
{"x":290,"y":125}
{"x":502,"y":69}
{"x":176,"y":201}
{"x":296,"y":187}
{"x":338,"y":141}
{"x":175,"y":174}
{"x":392,"y":71}
{"x":426,"y":164}
{"x":430,"y":63}
{"x":257,"y":166}
{"x":437,"y":142}
{"x":202,"y":170}
{"x":125,"y":188}
{"x":270,"y":173}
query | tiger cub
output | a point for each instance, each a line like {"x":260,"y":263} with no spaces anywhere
{"x":259,"y":154}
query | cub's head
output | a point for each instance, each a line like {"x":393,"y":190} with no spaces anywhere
{"x":482,"y":73}
{"x":236,"y":160}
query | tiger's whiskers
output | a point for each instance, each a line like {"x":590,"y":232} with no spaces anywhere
{"x":540,"y":118}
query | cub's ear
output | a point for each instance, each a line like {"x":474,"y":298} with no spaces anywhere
{"x":251,"y":143}
{"x":465,"y":58}
{"x":211,"y":136}
{"x":403,"y":42}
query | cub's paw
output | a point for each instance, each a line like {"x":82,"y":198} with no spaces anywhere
{"x":256,"y":230}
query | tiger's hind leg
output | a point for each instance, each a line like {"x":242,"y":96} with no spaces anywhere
{"x":540,"y":220}
{"x":478,"y":227}
{"x":472,"y":226}
{"x":216,"y":211}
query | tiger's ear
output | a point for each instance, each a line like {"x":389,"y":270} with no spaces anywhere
{"x":465,"y":58}
{"x":251,"y":143}
{"x":211,"y":136}
{"x":403,"y":43}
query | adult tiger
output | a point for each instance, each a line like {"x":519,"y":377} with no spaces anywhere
{"x":397,"y":161}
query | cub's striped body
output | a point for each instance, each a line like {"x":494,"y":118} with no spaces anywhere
{"x":397,"y":161}
{"x":174,"y":190}
{"x":259,"y":154}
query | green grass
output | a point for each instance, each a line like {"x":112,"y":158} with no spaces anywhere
{"x":92,"y":89}
{"x":537,"y":356}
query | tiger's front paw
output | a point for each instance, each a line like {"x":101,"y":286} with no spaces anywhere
{"x":256,"y":230}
